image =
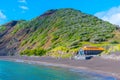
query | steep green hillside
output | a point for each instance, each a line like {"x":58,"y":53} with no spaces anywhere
{"x":62,"y":31}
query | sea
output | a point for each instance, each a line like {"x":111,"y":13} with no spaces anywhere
{"x":10,"y":70}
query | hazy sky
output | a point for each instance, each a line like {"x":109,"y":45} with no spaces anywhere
{"x":108,"y":10}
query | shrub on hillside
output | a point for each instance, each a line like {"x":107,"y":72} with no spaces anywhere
{"x":35,"y":52}
{"x":114,"y":42}
{"x":2,"y":28}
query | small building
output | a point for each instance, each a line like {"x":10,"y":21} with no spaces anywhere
{"x":88,"y":52}
{"x":91,"y":50}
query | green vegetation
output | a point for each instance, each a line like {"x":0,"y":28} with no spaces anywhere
{"x":111,"y":48}
{"x":62,"y":33}
{"x":34,"y":52}
{"x":2,"y":28}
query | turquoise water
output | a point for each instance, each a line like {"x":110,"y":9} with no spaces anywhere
{"x":22,"y":71}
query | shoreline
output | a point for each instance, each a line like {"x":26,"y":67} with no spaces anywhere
{"x":70,"y":64}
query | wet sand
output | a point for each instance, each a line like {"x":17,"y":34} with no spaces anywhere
{"x":96,"y":64}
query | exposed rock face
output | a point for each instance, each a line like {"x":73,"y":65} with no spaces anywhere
{"x":48,"y":13}
{"x":5,"y":38}
{"x":11,"y":24}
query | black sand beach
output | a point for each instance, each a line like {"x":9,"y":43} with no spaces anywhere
{"x":97,"y":64}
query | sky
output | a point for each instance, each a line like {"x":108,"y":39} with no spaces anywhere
{"x":108,"y":10}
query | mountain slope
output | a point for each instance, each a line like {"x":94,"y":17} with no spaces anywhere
{"x":57,"y":31}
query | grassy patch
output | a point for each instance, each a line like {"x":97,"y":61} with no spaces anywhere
{"x":2,"y":28}
{"x":35,"y":52}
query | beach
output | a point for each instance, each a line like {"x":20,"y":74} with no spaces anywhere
{"x":98,"y":65}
